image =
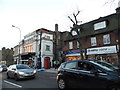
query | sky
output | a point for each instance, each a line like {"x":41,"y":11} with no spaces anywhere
{"x":30,"y":15}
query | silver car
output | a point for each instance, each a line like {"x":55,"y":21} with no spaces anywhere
{"x":3,"y":68}
{"x":19,"y":71}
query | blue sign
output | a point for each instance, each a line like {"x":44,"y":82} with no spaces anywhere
{"x":73,"y":52}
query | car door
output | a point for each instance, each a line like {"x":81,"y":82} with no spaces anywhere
{"x":9,"y":71}
{"x":91,"y":76}
{"x":70,"y":74}
{"x":12,"y":71}
{"x":101,"y":78}
{"x":85,"y":79}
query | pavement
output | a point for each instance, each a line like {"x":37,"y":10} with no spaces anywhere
{"x":51,"y":70}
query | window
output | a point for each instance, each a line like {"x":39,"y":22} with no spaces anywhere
{"x":93,"y":41}
{"x":77,"y":44}
{"x":85,"y":66}
{"x":23,"y":67}
{"x":100,"y":25}
{"x":47,"y":48}
{"x":71,"y":65}
{"x":70,"y":45}
{"x":106,"y":39}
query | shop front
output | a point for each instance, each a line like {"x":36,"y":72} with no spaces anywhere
{"x":106,"y":53}
{"x":72,"y":55}
{"x":28,"y":58}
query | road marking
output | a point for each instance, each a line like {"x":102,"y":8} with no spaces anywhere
{"x":13,"y":84}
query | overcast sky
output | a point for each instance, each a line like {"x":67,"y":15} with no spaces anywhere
{"x":30,"y":15}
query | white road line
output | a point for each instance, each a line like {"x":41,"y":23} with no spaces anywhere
{"x":13,"y":84}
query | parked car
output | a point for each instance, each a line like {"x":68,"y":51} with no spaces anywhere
{"x":20,"y":71}
{"x":88,"y":74}
{"x":3,"y":68}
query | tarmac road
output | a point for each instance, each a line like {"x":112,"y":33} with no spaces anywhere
{"x":43,"y":80}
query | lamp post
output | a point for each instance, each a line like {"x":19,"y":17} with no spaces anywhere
{"x":19,"y":43}
{"x":76,"y":32}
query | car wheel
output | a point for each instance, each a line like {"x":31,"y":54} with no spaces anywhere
{"x":16,"y":77}
{"x":61,"y":84}
{"x":8,"y":77}
{"x":114,"y":87}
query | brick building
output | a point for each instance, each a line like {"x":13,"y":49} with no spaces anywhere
{"x":100,"y":39}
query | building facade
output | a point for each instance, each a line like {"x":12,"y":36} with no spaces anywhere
{"x":36,"y":49}
{"x":100,"y":39}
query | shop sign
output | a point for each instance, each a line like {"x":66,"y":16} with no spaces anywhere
{"x":74,"y":51}
{"x":102,"y":50}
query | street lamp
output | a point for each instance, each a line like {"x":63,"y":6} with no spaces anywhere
{"x":76,"y":32}
{"x":19,"y":43}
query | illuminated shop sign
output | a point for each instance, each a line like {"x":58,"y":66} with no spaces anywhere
{"x":102,"y":50}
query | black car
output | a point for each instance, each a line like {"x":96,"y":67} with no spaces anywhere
{"x":88,"y":74}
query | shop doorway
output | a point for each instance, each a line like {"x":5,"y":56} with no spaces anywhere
{"x":47,"y":63}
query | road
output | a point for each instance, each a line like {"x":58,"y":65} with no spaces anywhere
{"x":43,"y":80}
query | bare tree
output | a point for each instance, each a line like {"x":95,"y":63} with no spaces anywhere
{"x":75,"y":27}
{"x":75,"y":21}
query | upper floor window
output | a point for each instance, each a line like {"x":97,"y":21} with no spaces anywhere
{"x":77,"y":44}
{"x":106,"y":39}
{"x":70,"y":45}
{"x":47,"y":47}
{"x":100,"y":25}
{"x":93,"y":41}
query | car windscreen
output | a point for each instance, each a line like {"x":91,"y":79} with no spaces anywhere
{"x":106,"y":66}
{"x":109,"y":65}
{"x":22,"y":67}
{"x":4,"y":66}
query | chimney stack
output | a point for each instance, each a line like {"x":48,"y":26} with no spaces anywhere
{"x":118,"y":8}
{"x":56,"y":27}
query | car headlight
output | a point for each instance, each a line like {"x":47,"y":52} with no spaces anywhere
{"x":21,"y":73}
{"x":34,"y":71}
